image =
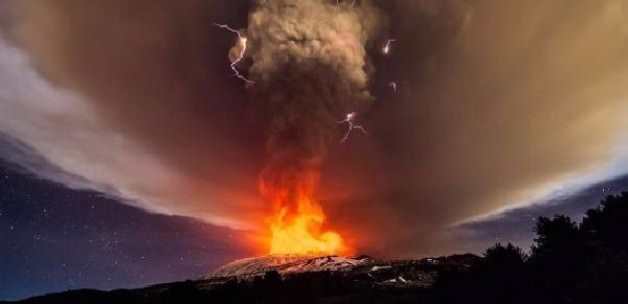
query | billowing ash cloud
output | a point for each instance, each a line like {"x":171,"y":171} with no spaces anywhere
{"x":309,"y":64}
{"x":495,"y":101}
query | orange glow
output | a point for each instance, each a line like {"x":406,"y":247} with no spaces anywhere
{"x":296,"y":227}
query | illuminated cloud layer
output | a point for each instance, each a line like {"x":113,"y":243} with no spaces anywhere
{"x":496,"y":101}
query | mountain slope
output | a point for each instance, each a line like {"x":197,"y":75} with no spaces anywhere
{"x":289,"y":279}
{"x":287,"y":264}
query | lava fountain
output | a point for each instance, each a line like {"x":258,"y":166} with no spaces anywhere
{"x":298,"y":220}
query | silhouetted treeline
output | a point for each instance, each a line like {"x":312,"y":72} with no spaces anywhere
{"x":568,"y":263}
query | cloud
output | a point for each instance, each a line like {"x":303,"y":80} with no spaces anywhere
{"x":119,"y":111}
{"x":310,"y":67}
{"x":495,"y":101}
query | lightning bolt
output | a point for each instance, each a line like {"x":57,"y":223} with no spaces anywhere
{"x":242,"y":40}
{"x":386,"y":51}
{"x":393,"y":85}
{"x":387,"y":46}
{"x":351,"y":125}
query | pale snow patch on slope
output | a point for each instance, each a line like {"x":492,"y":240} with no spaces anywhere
{"x":286,"y":264}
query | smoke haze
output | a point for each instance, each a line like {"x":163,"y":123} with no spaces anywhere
{"x":496,"y":100}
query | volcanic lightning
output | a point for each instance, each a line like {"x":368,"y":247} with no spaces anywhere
{"x":242,"y":44}
{"x":388,"y":46}
{"x":393,"y":86}
{"x":351,"y":125}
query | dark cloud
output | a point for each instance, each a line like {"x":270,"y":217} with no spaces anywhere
{"x":155,"y":74}
{"x":495,"y":100}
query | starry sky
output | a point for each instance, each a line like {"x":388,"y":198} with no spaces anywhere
{"x":55,"y":239}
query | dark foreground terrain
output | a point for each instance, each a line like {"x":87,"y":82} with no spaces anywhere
{"x":570,"y":262}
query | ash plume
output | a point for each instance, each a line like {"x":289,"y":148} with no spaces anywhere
{"x":496,"y":100}
{"x":310,"y":66}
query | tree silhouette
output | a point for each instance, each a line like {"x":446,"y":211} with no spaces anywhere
{"x":607,"y":225}
{"x":499,"y":256}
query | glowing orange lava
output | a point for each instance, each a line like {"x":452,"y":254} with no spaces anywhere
{"x":296,"y":228}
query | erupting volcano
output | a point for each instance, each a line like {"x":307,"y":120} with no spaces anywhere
{"x":308,"y":62}
{"x":297,"y":225}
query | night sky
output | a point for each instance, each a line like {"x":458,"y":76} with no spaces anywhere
{"x":55,"y":239}
{"x":517,"y":225}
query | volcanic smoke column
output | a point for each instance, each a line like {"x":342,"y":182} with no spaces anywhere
{"x":309,"y":67}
